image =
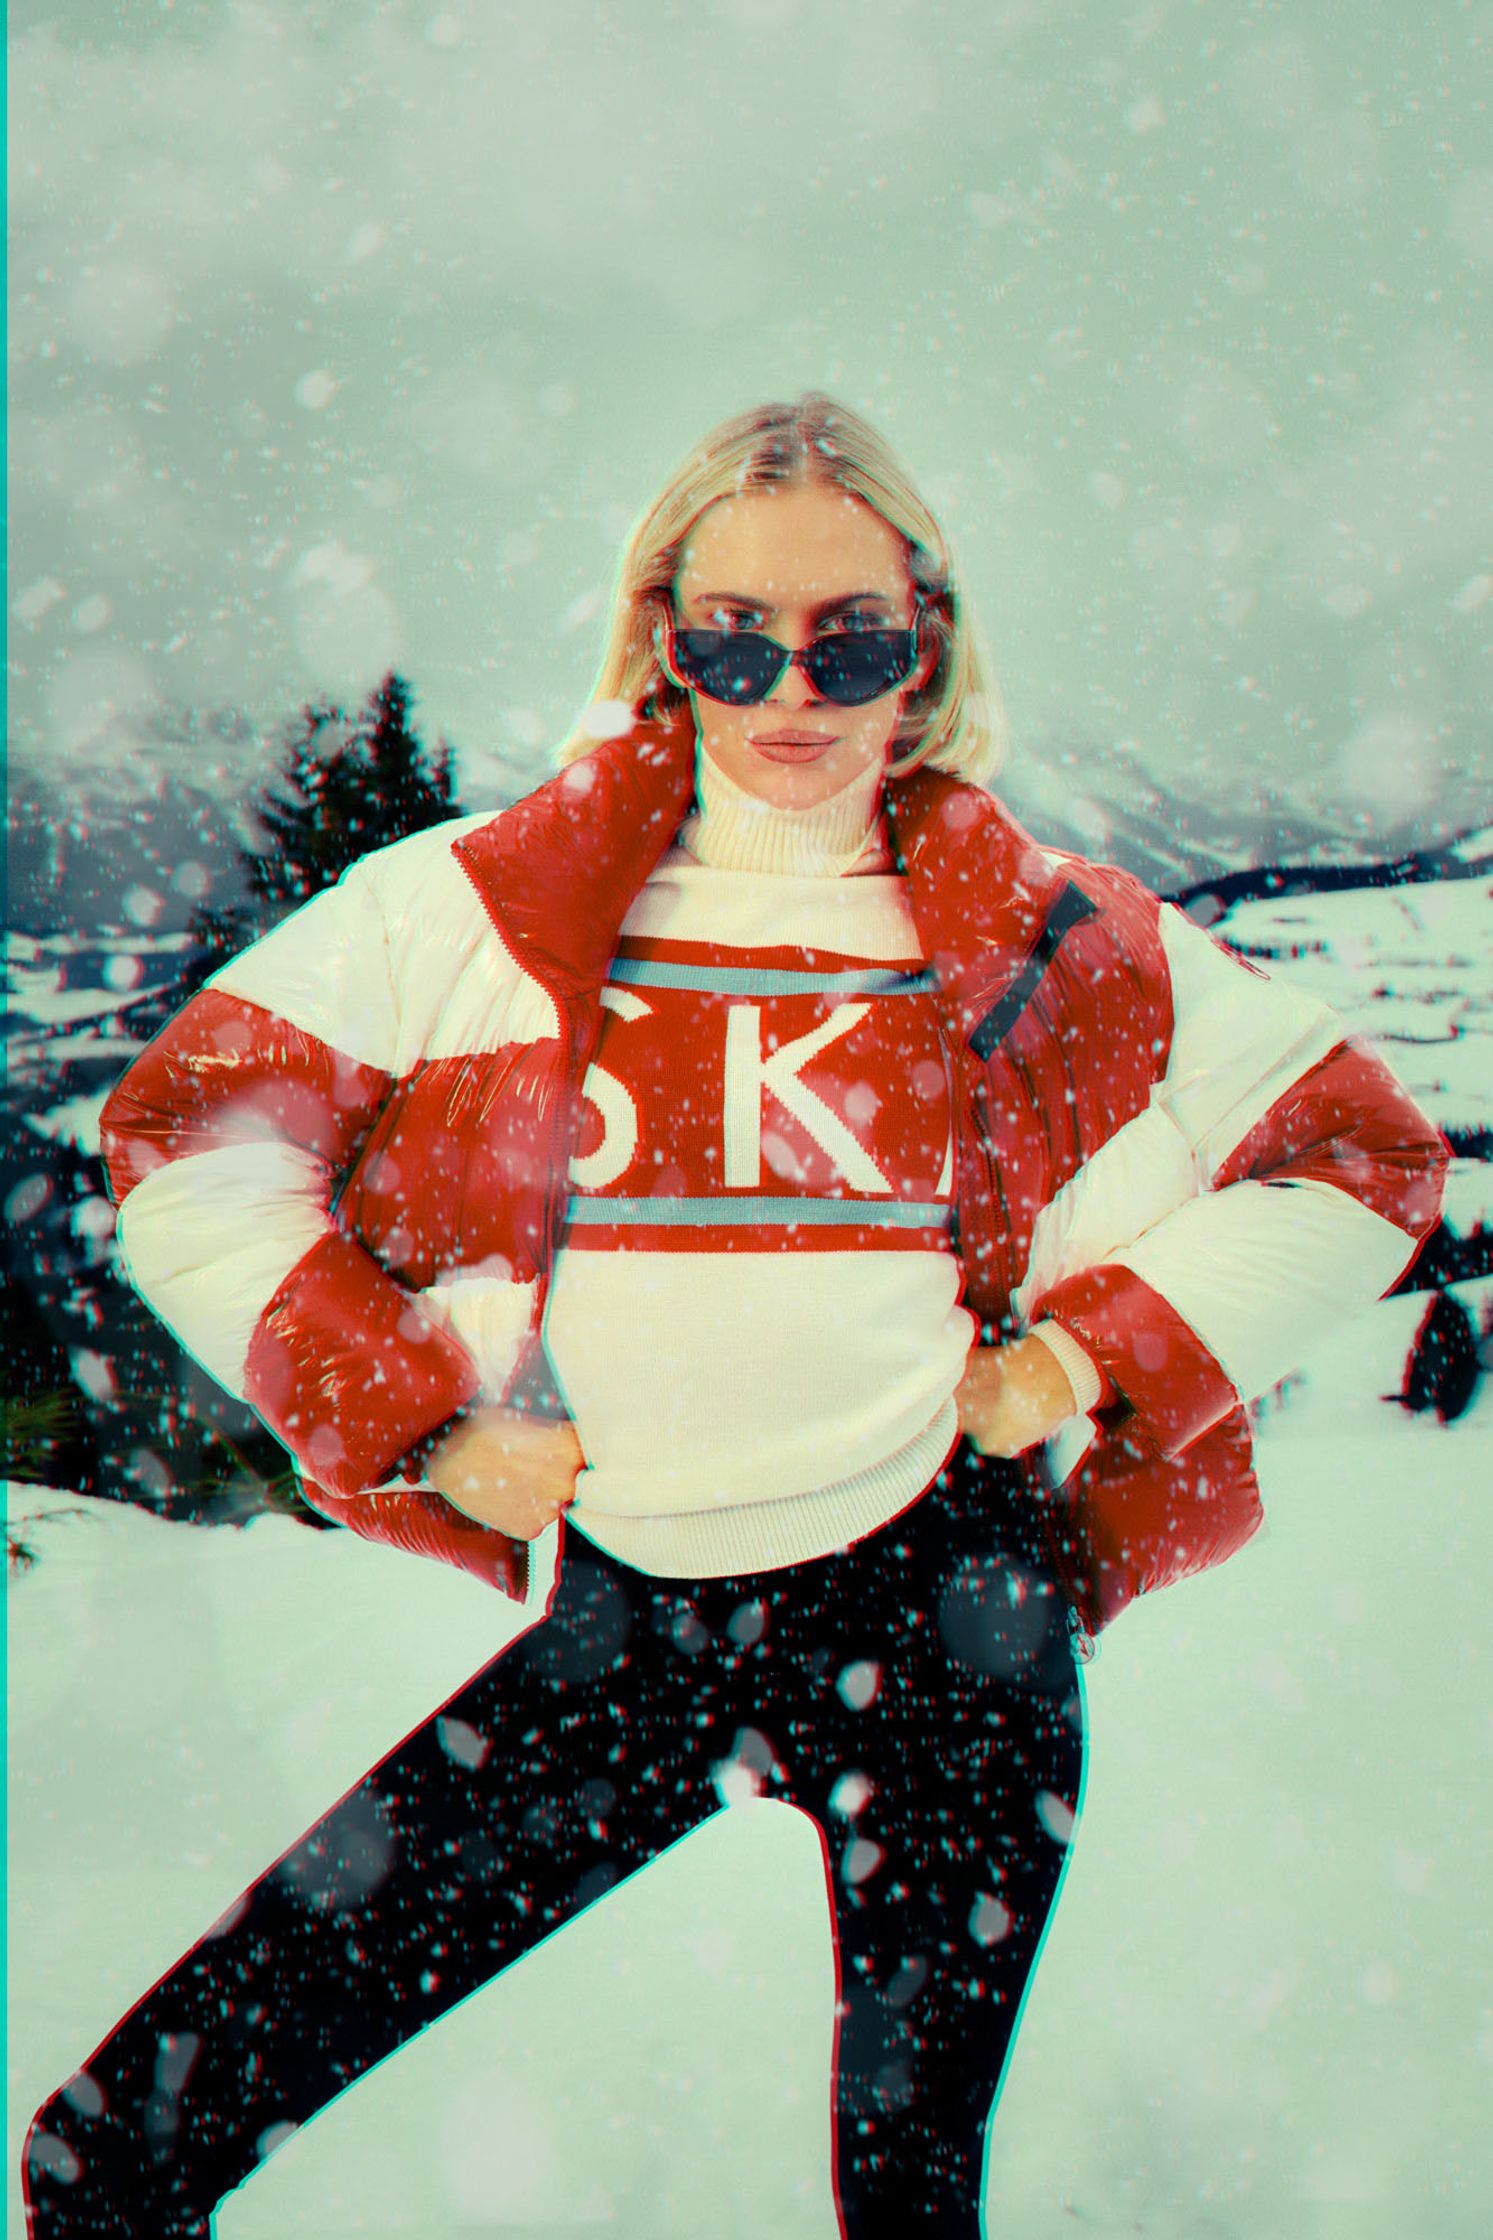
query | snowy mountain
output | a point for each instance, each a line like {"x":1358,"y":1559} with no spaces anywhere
{"x":137,"y":847}
{"x":144,"y":843}
{"x":1104,"y":803}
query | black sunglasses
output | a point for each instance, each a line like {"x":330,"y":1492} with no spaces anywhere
{"x":740,"y":666}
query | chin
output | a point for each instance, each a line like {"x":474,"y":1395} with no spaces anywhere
{"x":795,"y":789}
{"x":793,"y":785}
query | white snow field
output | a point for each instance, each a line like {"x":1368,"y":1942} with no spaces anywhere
{"x":1265,"y":2008}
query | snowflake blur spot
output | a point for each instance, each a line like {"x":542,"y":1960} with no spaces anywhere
{"x":607,"y":719}
{"x":747,"y":1625}
{"x":344,"y":1859}
{"x":54,"y":2158}
{"x":315,"y":391}
{"x":462,"y":1742}
{"x":1056,"y":1816}
{"x":989,"y":1920}
{"x":850,"y":1793}
{"x":85,"y":2094}
{"x":27,"y":1198}
{"x":860,"y":1860}
{"x":142,"y":905}
{"x":858,"y":1683}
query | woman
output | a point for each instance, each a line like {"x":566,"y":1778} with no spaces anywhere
{"x":863,"y":1227}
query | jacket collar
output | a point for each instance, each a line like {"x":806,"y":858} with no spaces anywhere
{"x":558,"y":871}
{"x":979,"y":886}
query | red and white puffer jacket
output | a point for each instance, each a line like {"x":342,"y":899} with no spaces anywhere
{"x":341,"y":1169}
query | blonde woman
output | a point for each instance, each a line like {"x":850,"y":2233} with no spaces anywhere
{"x":856,"y":1229}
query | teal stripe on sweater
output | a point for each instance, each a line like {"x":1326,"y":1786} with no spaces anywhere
{"x":746,"y":980}
{"x":711,"y":1213}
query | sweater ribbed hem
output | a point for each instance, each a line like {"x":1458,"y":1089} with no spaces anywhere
{"x":769,"y":1535}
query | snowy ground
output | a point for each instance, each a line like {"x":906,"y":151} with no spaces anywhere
{"x":1265,"y":2007}
{"x":1409,"y":968}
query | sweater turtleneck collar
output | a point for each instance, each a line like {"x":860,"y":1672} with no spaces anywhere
{"x":732,"y":830}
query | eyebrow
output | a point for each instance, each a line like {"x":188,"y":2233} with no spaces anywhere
{"x":824,"y":606}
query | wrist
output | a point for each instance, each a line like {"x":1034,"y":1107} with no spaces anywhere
{"x":414,"y":1464}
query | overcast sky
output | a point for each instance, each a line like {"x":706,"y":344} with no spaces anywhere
{"x":348,"y":336}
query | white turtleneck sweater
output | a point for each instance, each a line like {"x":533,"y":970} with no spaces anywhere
{"x":754,"y":1313}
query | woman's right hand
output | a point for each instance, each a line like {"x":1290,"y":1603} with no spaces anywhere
{"x":513,"y":1472}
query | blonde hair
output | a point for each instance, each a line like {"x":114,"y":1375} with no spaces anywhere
{"x":953,"y":721}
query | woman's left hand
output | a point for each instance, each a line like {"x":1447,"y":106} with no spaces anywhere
{"x":1012,"y":1397}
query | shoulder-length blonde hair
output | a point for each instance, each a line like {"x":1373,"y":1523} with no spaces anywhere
{"x":953,"y":722}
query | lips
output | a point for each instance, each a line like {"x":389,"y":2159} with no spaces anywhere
{"x":793,"y":738}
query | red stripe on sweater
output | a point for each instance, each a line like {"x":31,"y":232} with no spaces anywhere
{"x":829,"y":1097}
{"x":347,"y":1371}
{"x":760,"y":1237}
{"x":225,"y":1071}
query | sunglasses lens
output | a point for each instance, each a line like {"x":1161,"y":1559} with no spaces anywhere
{"x":860,"y":665}
{"x":740,"y":666}
{"x":737,"y":666}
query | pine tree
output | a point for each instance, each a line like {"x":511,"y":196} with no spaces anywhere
{"x":342,"y":786}
{"x":346,"y":787}
{"x":151,"y":1428}
{"x":410,"y":789}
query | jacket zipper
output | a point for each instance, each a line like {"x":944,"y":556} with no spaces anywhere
{"x":974,"y":1101}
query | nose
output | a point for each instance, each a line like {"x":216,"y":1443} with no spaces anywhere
{"x":793,"y":689}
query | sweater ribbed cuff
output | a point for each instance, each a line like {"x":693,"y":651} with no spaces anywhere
{"x":1078,"y":1366}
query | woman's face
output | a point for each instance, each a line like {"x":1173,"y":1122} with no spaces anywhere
{"x":793,"y":562}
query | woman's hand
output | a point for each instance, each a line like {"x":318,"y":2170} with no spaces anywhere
{"x":513,"y":1472}
{"x":1011,"y":1397}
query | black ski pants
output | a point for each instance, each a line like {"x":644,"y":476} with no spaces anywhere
{"x":916,"y":1694}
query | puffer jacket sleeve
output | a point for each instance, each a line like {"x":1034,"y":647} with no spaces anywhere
{"x":1305,"y":1180}
{"x":223,"y":1144}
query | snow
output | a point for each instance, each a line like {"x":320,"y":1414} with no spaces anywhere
{"x":1469,"y":1195}
{"x":1410,"y":971}
{"x":75,"y":1120}
{"x":1264,"y":2002}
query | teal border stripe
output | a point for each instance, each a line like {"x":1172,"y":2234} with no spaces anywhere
{"x":710,"y":1213}
{"x":745,"y":980}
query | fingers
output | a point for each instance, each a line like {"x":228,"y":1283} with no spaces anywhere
{"x":509,"y":1472}
{"x":1010,"y":1399}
